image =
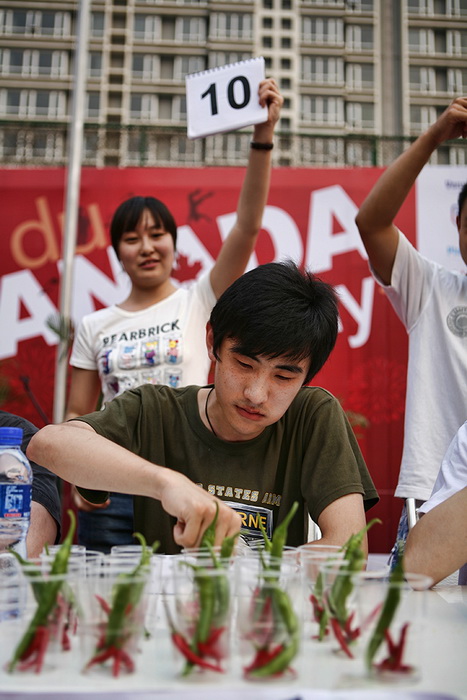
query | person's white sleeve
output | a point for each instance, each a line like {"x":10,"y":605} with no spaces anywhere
{"x":411,"y":282}
{"x":452,"y":476}
{"x":83,"y":353}
{"x":205,"y":291}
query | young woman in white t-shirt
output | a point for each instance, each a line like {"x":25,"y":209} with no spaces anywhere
{"x":109,"y":357}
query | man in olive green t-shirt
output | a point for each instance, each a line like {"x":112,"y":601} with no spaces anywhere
{"x":254,"y":441}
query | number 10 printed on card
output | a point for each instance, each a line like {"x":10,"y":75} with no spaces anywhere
{"x":225,"y":98}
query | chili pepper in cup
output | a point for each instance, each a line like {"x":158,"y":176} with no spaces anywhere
{"x":122,"y":621}
{"x":381,"y":633}
{"x":204,"y":649}
{"x":32,"y":647}
{"x":337,"y":596}
{"x":273,"y":614}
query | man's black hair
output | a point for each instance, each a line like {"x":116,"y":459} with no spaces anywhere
{"x":129,"y":212}
{"x":461,"y":199}
{"x":278,"y":310}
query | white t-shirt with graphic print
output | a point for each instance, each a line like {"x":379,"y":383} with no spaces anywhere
{"x":162,"y":344}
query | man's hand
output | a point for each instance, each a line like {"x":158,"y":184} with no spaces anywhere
{"x":195,"y":510}
{"x":452,"y":123}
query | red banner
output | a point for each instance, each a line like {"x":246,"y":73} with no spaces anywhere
{"x":309,"y":217}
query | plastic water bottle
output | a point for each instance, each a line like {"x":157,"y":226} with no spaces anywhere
{"x":15,"y":491}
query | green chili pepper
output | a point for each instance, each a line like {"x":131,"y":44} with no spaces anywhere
{"x":210,"y":532}
{"x":271,"y":661}
{"x":213,"y":595}
{"x":126,"y":594}
{"x":279,"y":536}
{"x":46,"y":596}
{"x":353,"y":562}
{"x":388,"y":611}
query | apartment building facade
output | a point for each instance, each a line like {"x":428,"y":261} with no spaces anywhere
{"x":360,"y":78}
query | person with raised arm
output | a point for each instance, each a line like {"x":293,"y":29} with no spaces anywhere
{"x":431,"y":302}
{"x":156,"y":335}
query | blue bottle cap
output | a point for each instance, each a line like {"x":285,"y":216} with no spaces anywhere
{"x":11,"y":436}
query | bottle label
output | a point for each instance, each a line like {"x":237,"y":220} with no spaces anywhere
{"x":15,"y":501}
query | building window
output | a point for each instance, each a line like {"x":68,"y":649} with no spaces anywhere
{"x":147,"y":28}
{"x":286,"y":83}
{"x":33,"y":103}
{"x":47,"y":146}
{"x":359,"y":37}
{"x":422,"y":79}
{"x":266,"y":42}
{"x":286,"y":42}
{"x":286,"y":4}
{"x":319,"y":69}
{"x":360,"y":115}
{"x":94,"y":64}
{"x":90,"y":146}
{"x":143,"y":107}
{"x":97,"y":24}
{"x":286,"y":63}
{"x":286,"y":24}
{"x":421,"y":117}
{"x":457,"y":80}
{"x":322,"y":30}
{"x":27,"y":62}
{"x":184,"y":65}
{"x":287,"y":103}
{"x":360,"y":5}
{"x":421,"y":41}
{"x":223,"y":58}
{"x":93,"y":102}
{"x":360,"y":76}
{"x":190,"y":29}
{"x":145,"y":66}
{"x":267,"y":23}
{"x":268,"y":4}
{"x":456,"y":42}
{"x":322,"y":110}
{"x":319,"y":151}
{"x":35,"y":22}
{"x":433,"y":7}
{"x":232,"y":25}
{"x":268,"y":62}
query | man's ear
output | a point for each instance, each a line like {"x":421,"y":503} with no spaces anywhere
{"x":210,"y":342}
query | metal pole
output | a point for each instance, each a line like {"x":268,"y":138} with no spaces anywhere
{"x":71,"y":203}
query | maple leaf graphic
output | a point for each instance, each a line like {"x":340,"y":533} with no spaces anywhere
{"x":185,"y":271}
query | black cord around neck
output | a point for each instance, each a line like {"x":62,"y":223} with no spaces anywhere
{"x":206,"y":411}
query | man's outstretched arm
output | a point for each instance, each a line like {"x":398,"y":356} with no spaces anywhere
{"x":343,"y":517}
{"x":76,"y":453}
{"x":437,"y":544}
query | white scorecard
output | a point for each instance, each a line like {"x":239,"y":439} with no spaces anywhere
{"x":225,"y":98}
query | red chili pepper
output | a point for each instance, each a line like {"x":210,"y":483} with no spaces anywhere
{"x":100,"y":658}
{"x":318,"y":609}
{"x":263,"y":657}
{"x":211,"y":646}
{"x":339,"y":634}
{"x":36,"y":650}
{"x":183,"y":646}
{"x":393,"y":662}
{"x":103,"y":603}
